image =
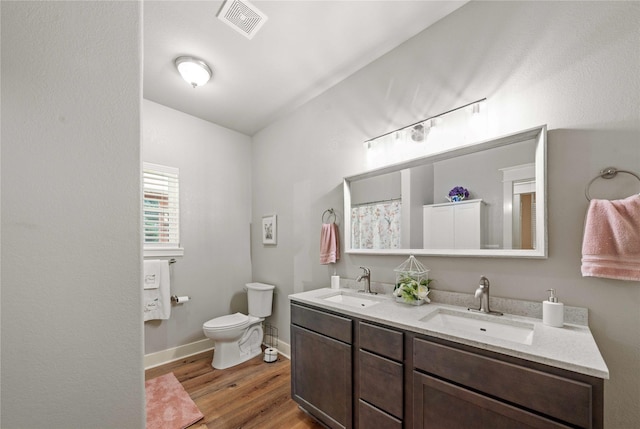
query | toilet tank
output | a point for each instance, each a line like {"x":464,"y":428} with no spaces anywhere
{"x":260,"y":297}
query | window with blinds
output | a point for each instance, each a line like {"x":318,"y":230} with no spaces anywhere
{"x":161,"y":209}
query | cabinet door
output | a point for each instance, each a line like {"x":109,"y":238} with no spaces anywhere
{"x":438,"y":404}
{"x":467,"y":223}
{"x":321,"y":377}
{"x":438,"y":227}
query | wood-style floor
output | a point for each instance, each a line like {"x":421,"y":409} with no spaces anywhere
{"x":252,"y":395}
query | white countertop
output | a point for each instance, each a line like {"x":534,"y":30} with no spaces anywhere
{"x":571,"y":347}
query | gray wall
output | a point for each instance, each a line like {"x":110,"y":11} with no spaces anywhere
{"x":375,"y":189}
{"x":571,"y":65}
{"x":215,"y":213}
{"x":418,"y":194}
{"x":71,"y":255}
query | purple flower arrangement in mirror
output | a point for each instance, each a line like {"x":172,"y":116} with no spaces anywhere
{"x":458,"y":194}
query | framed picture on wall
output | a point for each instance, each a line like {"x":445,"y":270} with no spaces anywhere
{"x":269,"y":229}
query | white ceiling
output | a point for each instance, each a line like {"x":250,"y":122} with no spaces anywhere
{"x":303,"y":49}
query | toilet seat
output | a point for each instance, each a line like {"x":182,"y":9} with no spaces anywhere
{"x":230,"y":321}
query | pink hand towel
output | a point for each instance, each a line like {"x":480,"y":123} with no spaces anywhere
{"x":329,"y":243}
{"x":611,"y":244}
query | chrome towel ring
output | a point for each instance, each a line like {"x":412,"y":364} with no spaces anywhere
{"x":331,"y":215}
{"x":607,"y":173}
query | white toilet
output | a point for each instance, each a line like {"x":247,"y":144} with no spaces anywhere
{"x":238,"y":337}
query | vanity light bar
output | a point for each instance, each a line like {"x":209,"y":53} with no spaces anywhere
{"x":432,"y":121}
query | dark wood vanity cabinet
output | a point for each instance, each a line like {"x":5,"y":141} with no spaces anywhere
{"x":355,"y":373}
{"x":345,"y":372}
{"x":321,"y":365}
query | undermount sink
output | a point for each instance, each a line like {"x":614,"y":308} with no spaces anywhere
{"x":352,"y":300}
{"x":444,"y":320}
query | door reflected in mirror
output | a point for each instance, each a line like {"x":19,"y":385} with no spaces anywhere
{"x":527,"y":227}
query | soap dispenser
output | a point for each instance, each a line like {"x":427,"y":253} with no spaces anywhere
{"x":553,"y":311}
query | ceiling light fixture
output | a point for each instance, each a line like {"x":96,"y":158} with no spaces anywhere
{"x":195,"y":71}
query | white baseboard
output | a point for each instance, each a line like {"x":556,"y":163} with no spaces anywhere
{"x":176,"y":353}
{"x":284,"y":349}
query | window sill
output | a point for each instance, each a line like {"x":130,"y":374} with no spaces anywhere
{"x":149,"y":253}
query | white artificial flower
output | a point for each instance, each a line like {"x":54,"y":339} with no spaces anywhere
{"x":422,"y":292}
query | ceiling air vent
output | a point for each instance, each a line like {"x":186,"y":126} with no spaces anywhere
{"x":242,"y":16}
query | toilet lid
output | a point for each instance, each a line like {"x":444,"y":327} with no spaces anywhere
{"x":260,"y":286}
{"x":228,"y":321}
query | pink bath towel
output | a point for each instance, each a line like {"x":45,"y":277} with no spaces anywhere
{"x":329,"y":243}
{"x":611,"y":244}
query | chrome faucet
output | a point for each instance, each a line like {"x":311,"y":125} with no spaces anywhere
{"x":366,"y":276}
{"x":483,"y":293}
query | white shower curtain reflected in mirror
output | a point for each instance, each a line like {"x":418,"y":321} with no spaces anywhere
{"x":376,"y":225}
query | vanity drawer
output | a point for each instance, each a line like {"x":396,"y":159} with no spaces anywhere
{"x":381,"y":382}
{"x":383,"y":341}
{"x":559,"y":397}
{"x":331,"y":325}
{"x":371,"y":417}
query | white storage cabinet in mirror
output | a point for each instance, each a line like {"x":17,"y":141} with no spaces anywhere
{"x":403,"y":209}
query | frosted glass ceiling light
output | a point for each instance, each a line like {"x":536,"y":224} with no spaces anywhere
{"x":195,"y":71}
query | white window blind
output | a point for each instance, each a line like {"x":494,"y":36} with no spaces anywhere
{"x":161,"y":207}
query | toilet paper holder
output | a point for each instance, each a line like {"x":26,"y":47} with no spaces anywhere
{"x":180,"y":299}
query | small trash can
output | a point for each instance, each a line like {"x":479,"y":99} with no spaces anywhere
{"x":271,"y":343}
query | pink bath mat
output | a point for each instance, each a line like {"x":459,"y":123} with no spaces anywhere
{"x":169,"y":405}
